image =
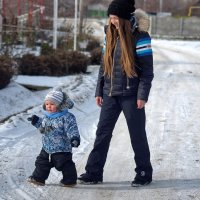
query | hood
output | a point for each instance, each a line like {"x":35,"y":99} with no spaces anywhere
{"x":142,"y":19}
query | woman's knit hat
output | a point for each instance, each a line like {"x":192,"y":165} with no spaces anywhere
{"x":122,"y":8}
{"x":60,"y":99}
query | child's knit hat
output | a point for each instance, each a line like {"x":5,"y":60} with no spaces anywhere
{"x":54,"y":96}
{"x":60,"y":99}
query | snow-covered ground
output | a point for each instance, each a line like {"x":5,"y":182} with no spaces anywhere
{"x":172,"y":126}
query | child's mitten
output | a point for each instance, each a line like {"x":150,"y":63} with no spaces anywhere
{"x":75,"y":142}
{"x":33,"y":119}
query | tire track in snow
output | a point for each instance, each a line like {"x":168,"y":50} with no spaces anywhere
{"x":22,"y":194}
{"x":171,"y":161}
{"x":169,"y":136}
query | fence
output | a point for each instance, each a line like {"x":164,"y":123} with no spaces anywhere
{"x":184,"y":28}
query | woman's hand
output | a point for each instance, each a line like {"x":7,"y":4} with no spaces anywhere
{"x":140,"y":104}
{"x":99,"y":101}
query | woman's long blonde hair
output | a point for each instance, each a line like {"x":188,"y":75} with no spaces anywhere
{"x":126,"y":41}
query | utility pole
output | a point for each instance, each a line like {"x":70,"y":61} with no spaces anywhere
{"x":55,"y":24}
{"x":144,"y":5}
{"x":80,"y":17}
{"x":161,"y":5}
{"x":30,"y":13}
{"x":19,"y":7}
{"x":42,"y":8}
{"x":75,"y":25}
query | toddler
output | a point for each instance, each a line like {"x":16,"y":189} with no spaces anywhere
{"x":59,"y":134}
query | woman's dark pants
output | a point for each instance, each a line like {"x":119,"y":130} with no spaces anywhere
{"x":135,"y":118}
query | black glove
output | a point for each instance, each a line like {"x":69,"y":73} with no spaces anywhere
{"x":75,"y":142}
{"x":33,"y":119}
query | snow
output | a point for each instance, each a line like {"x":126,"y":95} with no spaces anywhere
{"x":187,"y":46}
{"x":172,"y":128}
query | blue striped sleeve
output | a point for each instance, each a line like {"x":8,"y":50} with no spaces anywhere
{"x":104,"y":46}
{"x":143,"y":47}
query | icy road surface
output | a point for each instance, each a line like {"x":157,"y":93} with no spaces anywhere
{"x":173,"y":129}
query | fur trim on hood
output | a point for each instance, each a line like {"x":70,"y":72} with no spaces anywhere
{"x":142,"y":19}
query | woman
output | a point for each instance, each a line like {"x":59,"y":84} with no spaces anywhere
{"x":124,"y":84}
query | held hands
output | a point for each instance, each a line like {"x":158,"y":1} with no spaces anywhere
{"x":33,"y":119}
{"x":75,"y":142}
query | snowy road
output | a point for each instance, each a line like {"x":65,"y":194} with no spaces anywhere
{"x":173,"y":132}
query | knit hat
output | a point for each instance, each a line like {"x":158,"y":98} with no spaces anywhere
{"x":55,"y":96}
{"x":60,"y":99}
{"x":122,"y":8}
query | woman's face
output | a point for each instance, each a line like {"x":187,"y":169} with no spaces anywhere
{"x":114,"y":20}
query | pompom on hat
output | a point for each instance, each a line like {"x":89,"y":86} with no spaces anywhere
{"x":60,"y":99}
{"x":122,"y":8}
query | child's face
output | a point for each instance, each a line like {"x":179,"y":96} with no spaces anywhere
{"x":50,"y":106}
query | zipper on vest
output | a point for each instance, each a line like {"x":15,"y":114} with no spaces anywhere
{"x":111,"y":78}
{"x":127,"y":83}
{"x":127,"y":79}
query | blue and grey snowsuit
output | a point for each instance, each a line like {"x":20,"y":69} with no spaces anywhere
{"x":58,"y":130}
{"x":120,"y":93}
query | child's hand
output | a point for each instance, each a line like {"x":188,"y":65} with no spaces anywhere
{"x":33,"y":119}
{"x":75,"y":142}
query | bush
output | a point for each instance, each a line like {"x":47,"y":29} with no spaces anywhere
{"x":46,"y":49}
{"x":76,"y":62}
{"x":6,"y":71}
{"x":66,"y":43}
{"x":33,"y":65}
{"x":96,"y":54}
{"x":58,"y":64}
{"x":92,"y":44}
{"x":55,"y":65}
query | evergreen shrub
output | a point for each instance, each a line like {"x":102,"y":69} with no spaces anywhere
{"x":96,"y":54}
{"x":76,"y":62}
{"x":92,"y":44}
{"x":33,"y":65}
{"x":60,"y":63}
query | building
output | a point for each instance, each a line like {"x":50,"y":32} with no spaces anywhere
{"x":194,"y":10}
{"x":97,"y":11}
